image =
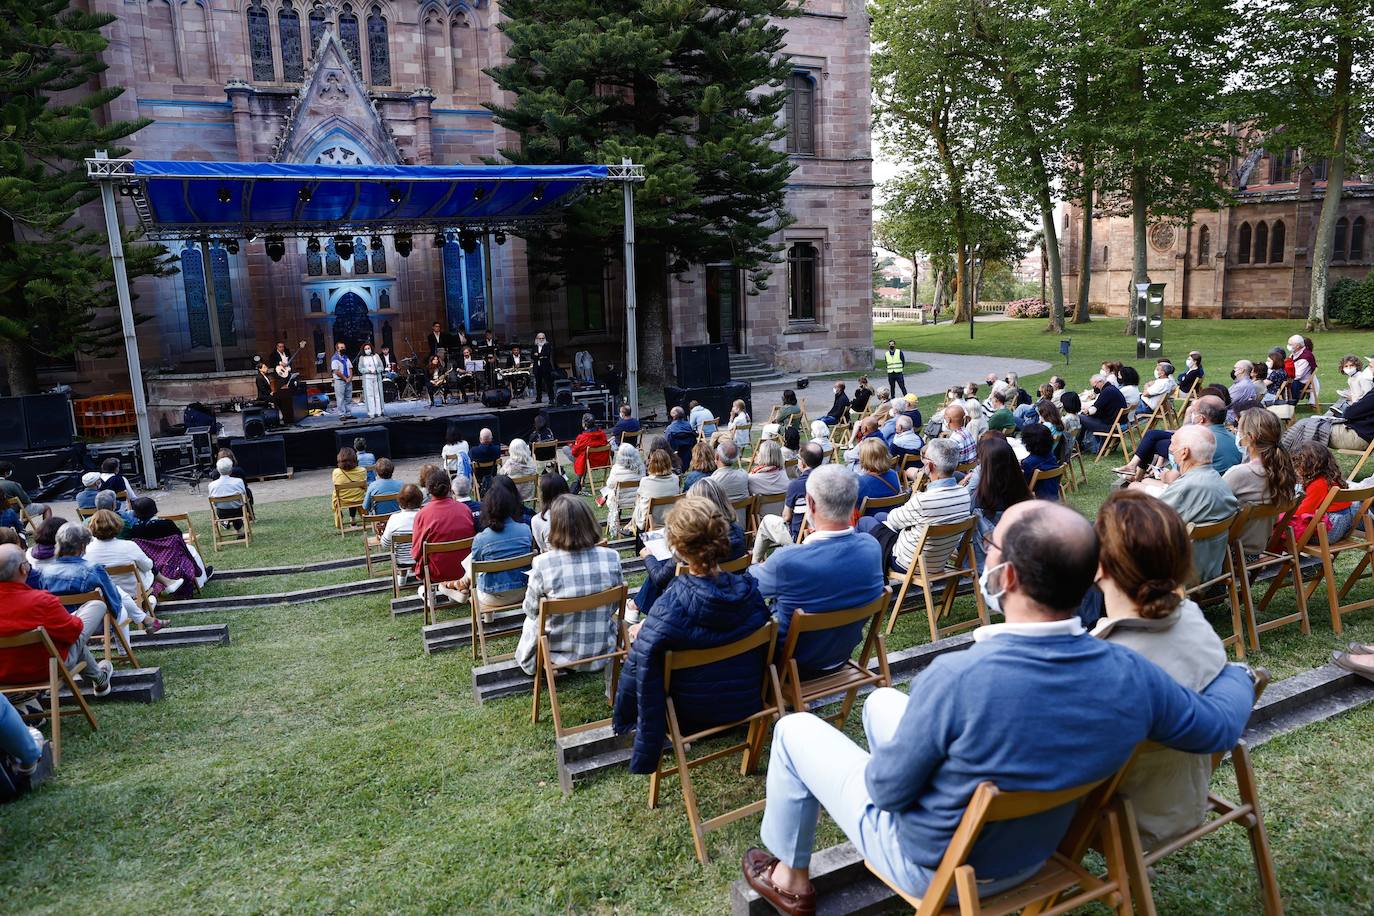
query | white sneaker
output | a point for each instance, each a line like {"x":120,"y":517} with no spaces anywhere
{"x":107,"y":669}
{"x":420,"y":593}
{"x":173,"y":585}
{"x":631,"y":612}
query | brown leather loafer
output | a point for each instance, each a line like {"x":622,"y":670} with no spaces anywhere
{"x":1343,"y":660}
{"x":758,"y":873}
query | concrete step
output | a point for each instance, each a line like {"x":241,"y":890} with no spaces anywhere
{"x":447,"y":635}
{"x":844,"y":885}
{"x":500,"y":679}
{"x":128,"y":685}
{"x":302,"y":596}
{"x":209,"y":634}
{"x":41,"y":774}
{"x":262,"y":571}
{"x":585,"y":754}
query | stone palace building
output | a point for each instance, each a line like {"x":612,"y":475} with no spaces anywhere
{"x":383,"y":81}
{"x":1251,"y":259}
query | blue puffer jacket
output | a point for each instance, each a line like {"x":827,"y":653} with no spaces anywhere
{"x":694,"y":613}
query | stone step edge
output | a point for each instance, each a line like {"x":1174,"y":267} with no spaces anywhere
{"x":256,"y":572}
{"x":211,"y":634}
{"x":128,"y":685}
{"x":303,"y":596}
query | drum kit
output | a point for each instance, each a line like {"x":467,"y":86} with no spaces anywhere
{"x":412,"y":380}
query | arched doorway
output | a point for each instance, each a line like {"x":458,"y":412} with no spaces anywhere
{"x":351,"y":324}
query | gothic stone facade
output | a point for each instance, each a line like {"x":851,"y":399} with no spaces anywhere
{"x":378,"y":81}
{"x":1248,"y":260}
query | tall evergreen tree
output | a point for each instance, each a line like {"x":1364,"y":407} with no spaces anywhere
{"x":56,"y":283}
{"x":690,"y":90}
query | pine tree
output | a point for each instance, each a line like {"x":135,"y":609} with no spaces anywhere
{"x":691,"y":91}
{"x":56,"y":283}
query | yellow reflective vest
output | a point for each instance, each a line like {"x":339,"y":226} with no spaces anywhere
{"x":895,"y":363}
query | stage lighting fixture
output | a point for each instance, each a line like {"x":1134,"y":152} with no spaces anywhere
{"x":312,"y":244}
{"x":276,"y":247}
{"x":376,"y":243}
{"x":393,"y":194}
{"x":224,"y":195}
{"x":479,"y":192}
{"x":468,"y":241}
{"x":232,"y":246}
{"x":499,"y":238}
{"x":250,"y":235}
{"x":343,"y":246}
{"x":125,"y":191}
{"x":403,"y":243}
{"x":440,"y":239}
{"x":303,"y":195}
{"x":538,"y":191}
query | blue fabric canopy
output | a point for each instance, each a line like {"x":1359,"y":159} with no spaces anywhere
{"x":177,"y":199}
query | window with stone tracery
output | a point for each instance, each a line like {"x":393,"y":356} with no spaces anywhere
{"x":289,"y":33}
{"x":260,"y":43}
{"x":378,"y":51}
{"x":338,"y":155}
{"x":318,"y":24}
{"x":351,"y":38}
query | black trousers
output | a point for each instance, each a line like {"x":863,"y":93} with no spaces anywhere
{"x":896,"y":380}
{"x":543,"y":382}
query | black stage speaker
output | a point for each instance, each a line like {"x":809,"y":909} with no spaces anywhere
{"x":265,"y":457}
{"x":693,"y":366}
{"x":718,"y":364}
{"x":566,"y":422}
{"x":469,"y":428}
{"x":378,"y":439}
{"x":562,"y":392}
{"x":48,"y":421}
{"x":12,"y":434}
{"x":496,"y":398}
{"x":716,"y":398}
{"x":254,"y":423}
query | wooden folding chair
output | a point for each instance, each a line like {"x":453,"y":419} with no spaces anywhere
{"x":1314,"y":542}
{"x":140,"y":595}
{"x":373,"y":526}
{"x":763,"y":640}
{"x":112,"y":631}
{"x":805,"y":527}
{"x":708,"y":429}
{"x":965,"y":468}
{"x":1179,"y":401}
{"x":658,"y":510}
{"x":482,"y":625}
{"x":219,"y":533}
{"x":1201,"y":534}
{"x":625,"y":492}
{"x":545,"y":455}
{"x":1098,"y":820}
{"x":849,"y":678}
{"x":630,"y":437}
{"x":86,"y":515}
{"x":1364,"y":456}
{"x":921,"y":574}
{"x":879,"y":503}
{"x":748,"y":446}
{"x":398,"y":568}
{"x":1141,"y":423}
{"x":745,"y":514}
{"x":431,"y":549}
{"x":1285,"y":559}
{"x":1114,"y":437}
{"x":593,"y":454}
{"x":343,"y":519}
{"x":531,"y":481}
{"x":189,"y":535}
{"x":1040,"y":475}
{"x":482,"y":473}
{"x":546,"y":669}
{"x":58,"y":674}
{"x":29,"y":521}
{"x":771,"y":504}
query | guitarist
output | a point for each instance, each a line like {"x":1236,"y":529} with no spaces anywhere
{"x":287,"y":376}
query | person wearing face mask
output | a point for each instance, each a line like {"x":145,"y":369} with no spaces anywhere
{"x":895,"y":360}
{"x":1197,"y":492}
{"x":1244,"y":394}
{"x":370,"y":367}
{"x":1304,"y":368}
{"x":542,"y":357}
{"x":1274,"y":377}
{"x":341,"y":368}
{"x":839,"y":408}
{"x":1160,"y":387}
{"x":1358,"y":384}
{"x":1099,"y":417}
{"x":1192,"y":372}
{"x":972,"y":719}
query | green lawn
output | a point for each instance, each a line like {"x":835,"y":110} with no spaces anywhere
{"x":322,"y":762}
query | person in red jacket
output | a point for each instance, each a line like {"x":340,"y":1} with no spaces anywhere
{"x":441,"y":519}
{"x":23,"y":609}
{"x":589,"y":438}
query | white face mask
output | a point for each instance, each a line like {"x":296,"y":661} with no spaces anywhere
{"x":1350,"y":370}
{"x":1192,"y":363}
{"x":992,"y":601}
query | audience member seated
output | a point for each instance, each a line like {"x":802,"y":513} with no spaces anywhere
{"x":877,"y":477}
{"x":1358,"y":383}
{"x":732,"y":480}
{"x":1039,"y":445}
{"x":1192,"y":372}
{"x":1070,"y":409}
{"x":573,"y":567}
{"x":1197,"y":492}
{"x":965,"y":442}
{"x":366,"y":460}
{"x":839,"y":407}
{"x":969,"y":720}
{"x":455,"y":455}
{"x":1099,"y":417}
{"x":628,"y":467}
{"x":626,"y":424}
{"x":906,"y":441}
{"x":660,"y":482}
{"x":768,"y":478}
{"x":551,"y":486}
{"x":1352,"y":431}
{"x":1304,"y":368}
{"x":974,"y":410}
{"x":1128,"y":383}
{"x":1059,"y":387}
{"x":108,"y":550}
{"x":520,"y":463}
{"x":460,"y":490}
{"x":659,"y":573}
{"x":90,"y":486}
{"x":230,"y":514}
{"x":402,"y":521}
{"x":352,"y":478}
{"x":589,"y":438}
{"x":820,"y":434}
{"x":867,"y":428}
{"x":834,"y":569}
{"x":789,"y":414}
{"x":42,"y":550}
{"x":942,"y":502}
{"x":1142,"y":568}
{"x":23,"y":608}
{"x":781,"y":530}
{"x":994,"y":486}
{"x":504,"y":535}
{"x":682,"y":438}
{"x":21,"y":744}
{"x":10,"y":489}
{"x":380,"y":498}
{"x":105,"y":501}
{"x":1160,"y":387}
{"x":862,"y":394}
{"x":1048,"y":416}
{"x":1208,"y":411}
{"x":71,"y":573}
{"x":702,"y":465}
{"x":172,"y":557}
{"x":700,"y":609}
{"x":1318,"y":473}
{"x":1272,"y":378}
{"x":112,"y":479}
{"x":791,"y":443}
{"x":739,"y":423}
{"x":441,"y":519}
{"x":1243,"y":392}
{"x":1001,"y":419}
{"x":1266,"y":478}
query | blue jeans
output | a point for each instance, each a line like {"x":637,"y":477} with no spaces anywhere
{"x":812,"y":765}
{"x":1025,"y":414}
{"x":343,"y":395}
{"x":15,"y":739}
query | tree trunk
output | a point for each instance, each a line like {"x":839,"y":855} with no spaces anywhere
{"x":1335,"y":183}
{"x":1085,"y":245}
{"x":651,"y":310}
{"x":20,"y":370}
{"x":1139,"y":221}
{"x":938,"y":296}
{"x":1051,"y":249}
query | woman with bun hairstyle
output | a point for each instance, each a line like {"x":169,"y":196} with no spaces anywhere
{"x":1143,"y":562}
{"x":702,"y":608}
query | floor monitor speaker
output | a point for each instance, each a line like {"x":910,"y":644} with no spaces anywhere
{"x":566,"y":422}
{"x":265,"y":457}
{"x":496,"y":398}
{"x":48,"y":421}
{"x":378,"y":439}
{"x":469,"y":428}
{"x":715,"y":398}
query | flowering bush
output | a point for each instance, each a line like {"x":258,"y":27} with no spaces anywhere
{"x":1028,"y":308}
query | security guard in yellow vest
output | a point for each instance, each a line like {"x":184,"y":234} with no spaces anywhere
{"x":896,"y":368}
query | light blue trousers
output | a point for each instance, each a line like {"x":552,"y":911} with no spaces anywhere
{"x":15,"y":739}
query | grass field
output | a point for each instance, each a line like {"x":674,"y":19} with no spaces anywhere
{"x":322,"y":762}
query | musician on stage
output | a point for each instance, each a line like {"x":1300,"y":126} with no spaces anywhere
{"x":436,"y":381}
{"x":517,"y":359}
{"x":265,"y":384}
{"x":437,"y":339}
{"x":388,"y":365}
{"x":370,"y":368}
{"x":543,"y":368}
{"x":281,"y":365}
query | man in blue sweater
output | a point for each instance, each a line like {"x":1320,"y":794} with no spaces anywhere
{"x":1010,"y":709}
{"x":1099,"y":417}
{"x":833,"y":569}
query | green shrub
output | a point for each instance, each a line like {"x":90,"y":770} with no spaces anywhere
{"x":1351,"y":302}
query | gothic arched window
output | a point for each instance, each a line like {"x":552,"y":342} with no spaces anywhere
{"x":260,"y":43}
{"x":331,"y":260}
{"x":379,"y":261}
{"x":360,"y":256}
{"x":378,"y":51}
{"x":350,"y":37}
{"x":318,"y":24}
{"x":434,"y":67}
{"x":1356,"y":249}
{"x":1277,"y":242}
{"x":289,"y":30}
{"x":197,"y":300}
{"x":1204,"y":244}
{"x":1339,"y":241}
{"x":1261,"y":242}
{"x":801,"y":114}
{"x":1243,"y":244}
{"x":314,"y":266}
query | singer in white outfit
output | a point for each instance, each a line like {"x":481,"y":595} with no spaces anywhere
{"x":370,"y":367}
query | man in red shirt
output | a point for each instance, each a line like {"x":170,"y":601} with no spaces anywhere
{"x":590,"y":437}
{"x":23,"y":609}
{"x":441,"y":519}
